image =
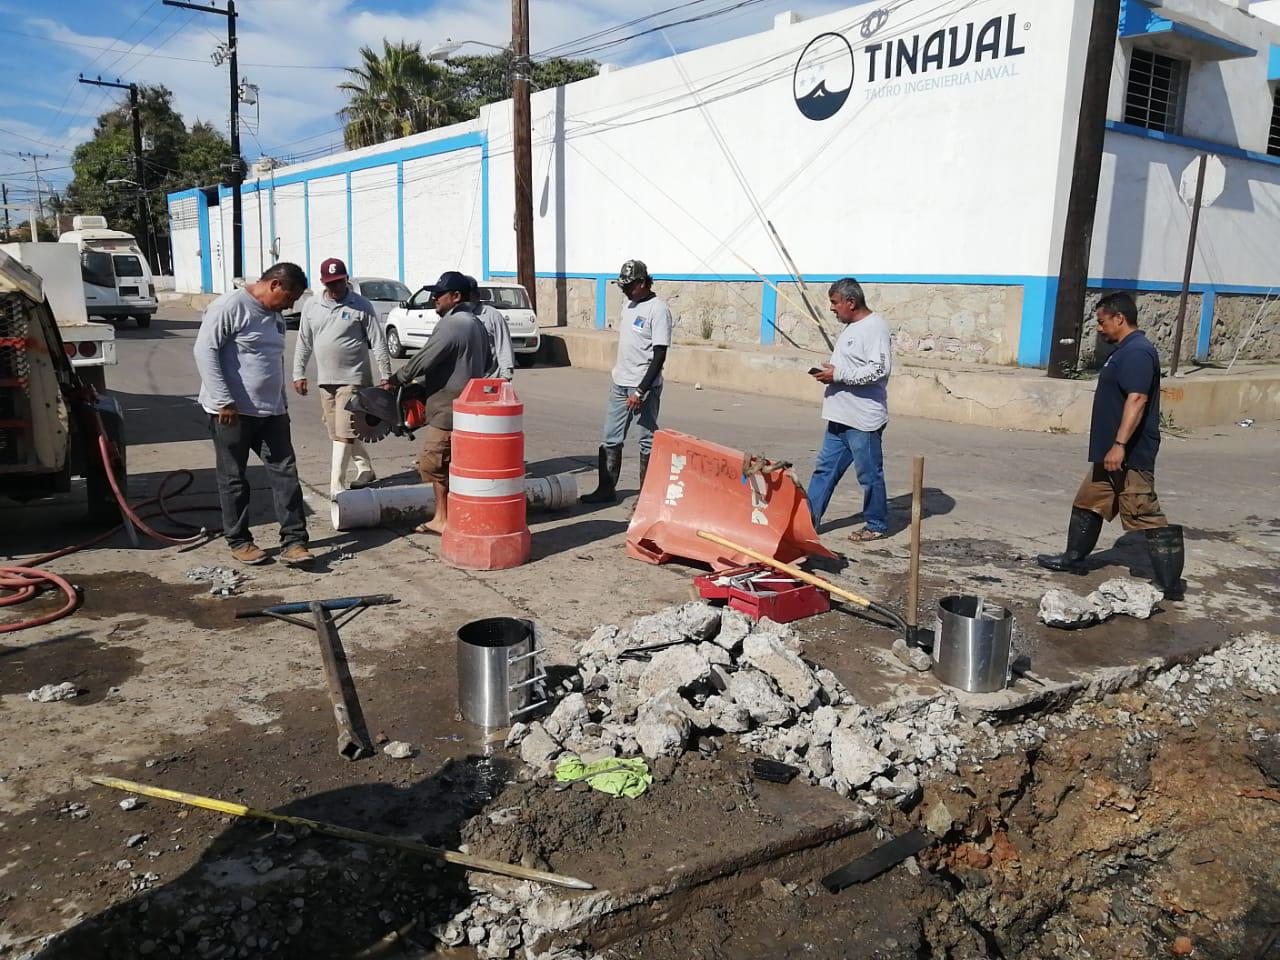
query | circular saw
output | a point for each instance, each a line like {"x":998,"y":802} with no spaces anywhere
{"x":377,"y":413}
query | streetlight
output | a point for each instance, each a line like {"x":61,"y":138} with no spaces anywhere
{"x":120,"y":182}
{"x":521,"y":131}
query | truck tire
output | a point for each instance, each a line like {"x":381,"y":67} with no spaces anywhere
{"x":103,"y":508}
{"x":144,"y":320}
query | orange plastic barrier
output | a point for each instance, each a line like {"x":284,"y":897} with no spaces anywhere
{"x":695,"y":485}
{"x":486,"y":529}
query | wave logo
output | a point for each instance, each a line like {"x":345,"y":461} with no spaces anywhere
{"x":824,"y":76}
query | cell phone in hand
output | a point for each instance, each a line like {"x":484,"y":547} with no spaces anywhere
{"x":813,"y":370}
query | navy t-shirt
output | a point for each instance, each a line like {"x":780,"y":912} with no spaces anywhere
{"x":1134,"y":367}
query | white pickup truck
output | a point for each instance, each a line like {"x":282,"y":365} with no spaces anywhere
{"x":90,"y":346}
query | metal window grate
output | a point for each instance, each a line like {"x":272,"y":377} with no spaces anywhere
{"x":1153,"y":98}
{"x":184,"y":213}
{"x":1273,"y":138}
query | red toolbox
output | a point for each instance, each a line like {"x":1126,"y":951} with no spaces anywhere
{"x":759,"y":591}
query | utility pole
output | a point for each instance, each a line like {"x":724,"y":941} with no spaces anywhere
{"x":35,"y":159}
{"x":1082,"y":201}
{"x":522,"y":151}
{"x":139,"y":171}
{"x":237,"y":165}
{"x":4,"y":193}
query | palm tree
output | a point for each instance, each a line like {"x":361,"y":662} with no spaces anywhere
{"x":393,"y":94}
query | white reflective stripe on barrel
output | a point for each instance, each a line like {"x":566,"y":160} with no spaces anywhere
{"x":483,"y":423}
{"x":483,"y":487}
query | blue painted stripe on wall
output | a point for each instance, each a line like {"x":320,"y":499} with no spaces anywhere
{"x":400,"y":216}
{"x":447,"y":145}
{"x":1206,"y":323}
{"x":1039,"y":297}
{"x":602,"y":290}
{"x":351,"y":249}
{"x":1226,"y":149}
{"x":206,"y":245}
{"x":768,"y":313}
{"x":306,"y":225}
{"x":484,"y":207}
{"x":1273,"y":62}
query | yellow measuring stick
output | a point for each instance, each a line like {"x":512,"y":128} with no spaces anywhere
{"x":346,"y":833}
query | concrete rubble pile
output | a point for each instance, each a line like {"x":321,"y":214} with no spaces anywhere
{"x":1133,"y":598}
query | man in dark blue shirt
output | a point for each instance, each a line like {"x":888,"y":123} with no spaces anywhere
{"x":1124,"y":438}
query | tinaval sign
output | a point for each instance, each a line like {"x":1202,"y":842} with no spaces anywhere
{"x":825,"y":72}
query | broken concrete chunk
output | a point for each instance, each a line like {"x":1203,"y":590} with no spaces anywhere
{"x":854,"y":758}
{"x":53,"y":693}
{"x":825,"y":721}
{"x":569,"y":714}
{"x":694,"y":622}
{"x":724,"y":714}
{"x":912,"y":657}
{"x":662,"y":728}
{"x":716,"y":656}
{"x":538,"y":747}
{"x":902,"y":788}
{"x":137,"y":840}
{"x":939,"y":819}
{"x":755,"y":691}
{"x":766,"y":652}
{"x":1133,"y":598}
{"x":819,"y":760}
{"x":398,"y":750}
{"x":673,"y":668}
{"x":516,"y":734}
{"x":734,"y":628}
{"x":1070,"y":611}
{"x":130,"y":803}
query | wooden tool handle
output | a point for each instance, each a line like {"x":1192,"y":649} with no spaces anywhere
{"x":917,"y":511}
{"x":786,"y":568}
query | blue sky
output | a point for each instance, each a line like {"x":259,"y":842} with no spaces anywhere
{"x":292,"y":49}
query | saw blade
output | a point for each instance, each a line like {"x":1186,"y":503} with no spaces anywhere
{"x":368,"y":428}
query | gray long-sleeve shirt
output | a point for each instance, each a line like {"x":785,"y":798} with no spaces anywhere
{"x":341,"y":334}
{"x":504,"y":357}
{"x":456,"y":353}
{"x":239,"y":352}
{"x":858,"y":395}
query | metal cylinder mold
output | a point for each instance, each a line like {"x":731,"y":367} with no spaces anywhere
{"x":500,"y":671}
{"x":971,"y":644}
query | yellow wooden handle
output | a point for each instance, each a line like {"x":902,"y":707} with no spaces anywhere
{"x":345,"y":833}
{"x":786,"y":568}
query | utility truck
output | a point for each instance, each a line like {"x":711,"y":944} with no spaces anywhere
{"x":118,"y":284}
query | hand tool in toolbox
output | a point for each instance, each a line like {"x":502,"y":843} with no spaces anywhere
{"x":760,"y":592}
{"x":353,"y":734}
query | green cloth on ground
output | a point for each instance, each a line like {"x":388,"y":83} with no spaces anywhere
{"x":616,"y":777}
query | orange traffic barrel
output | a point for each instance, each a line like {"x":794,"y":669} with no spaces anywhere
{"x":486,"y":529}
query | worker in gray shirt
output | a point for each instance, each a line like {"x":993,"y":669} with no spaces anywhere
{"x":856,"y":407}
{"x":239,"y":352}
{"x":457,"y":352}
{"x":342,"y":329}
{"x":495,"y":324}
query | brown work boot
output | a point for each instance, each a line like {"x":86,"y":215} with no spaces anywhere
{"x":250,"y":554}
{"x":295,"y":554}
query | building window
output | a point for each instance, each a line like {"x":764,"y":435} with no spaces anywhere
{"x":1273,"y":138}
{"x":1154,"y":95}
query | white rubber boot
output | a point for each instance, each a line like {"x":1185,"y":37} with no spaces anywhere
{"x":342,"y":454}
{"x":364,"y":467}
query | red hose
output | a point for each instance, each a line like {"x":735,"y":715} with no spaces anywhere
{"x":19,"y":584}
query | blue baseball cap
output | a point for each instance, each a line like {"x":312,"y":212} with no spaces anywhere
{"x":451,"y":281}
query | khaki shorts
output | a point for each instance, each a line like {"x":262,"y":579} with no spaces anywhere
{"x":338,"y":420}
{"x":1131,"y":494}
{"x":433,"y":460}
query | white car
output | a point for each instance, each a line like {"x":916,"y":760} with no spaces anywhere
{"x":411,"y":324}
{"x":383,"y":294}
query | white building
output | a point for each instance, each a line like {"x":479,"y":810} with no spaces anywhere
{"x":926,"y":150}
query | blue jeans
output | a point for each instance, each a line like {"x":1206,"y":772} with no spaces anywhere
{"x":841,"y":447}
{"x":618,"y":418}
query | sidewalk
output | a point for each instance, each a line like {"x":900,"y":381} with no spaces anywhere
{"x":1008,"y":398}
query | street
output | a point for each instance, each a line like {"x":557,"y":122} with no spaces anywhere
{"x":176,"y":691}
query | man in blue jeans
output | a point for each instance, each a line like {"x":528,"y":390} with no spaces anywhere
{"x":856,"y":409}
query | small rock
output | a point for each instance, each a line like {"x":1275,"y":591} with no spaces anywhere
{"x":1182,"y":946}
{"x":398,"y":750}
{"x":939,"y":820}
{"x":516,"y":734}
{"x":130,"y":803}
{"x":772,"y":889}
{"x":912,"y":657}
{"x":136,"y":840}
{"x":54,"y":692}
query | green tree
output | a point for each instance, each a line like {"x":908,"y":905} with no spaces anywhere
{"x":393,"y":94}
{"x":480,"y":80}
{"x":177,"y":159}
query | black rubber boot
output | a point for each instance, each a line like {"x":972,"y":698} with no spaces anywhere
{"x":1164,"y":544}
{"x":610,"y":468}
{"x":1082,"y":537}
{"x":644,"y":467}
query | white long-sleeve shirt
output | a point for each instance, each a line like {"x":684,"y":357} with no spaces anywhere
{"x":858,"y":394}
{"x":342,"y":334}
{"x":495,"y":323}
